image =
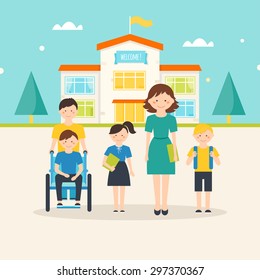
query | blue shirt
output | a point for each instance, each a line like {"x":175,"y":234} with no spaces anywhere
{"x":122,"y":152}
{"x":68,"y":162}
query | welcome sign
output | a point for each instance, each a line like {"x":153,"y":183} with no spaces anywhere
{"x":130,"y":57}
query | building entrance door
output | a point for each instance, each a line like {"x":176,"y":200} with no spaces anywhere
{"x":129,"y":110}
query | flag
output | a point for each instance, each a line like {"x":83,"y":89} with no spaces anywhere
{"x":140,"y":21}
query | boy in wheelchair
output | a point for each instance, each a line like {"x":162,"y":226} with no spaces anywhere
{"x":66,"y":164}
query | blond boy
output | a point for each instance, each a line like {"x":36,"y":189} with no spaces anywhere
{"x":203,"y":157}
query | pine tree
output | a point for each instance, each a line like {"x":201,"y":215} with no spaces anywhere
{"x":31,"y":102}
{"x":228,"y":102}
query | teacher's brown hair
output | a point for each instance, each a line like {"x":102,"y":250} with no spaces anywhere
{"x":157,"y":90}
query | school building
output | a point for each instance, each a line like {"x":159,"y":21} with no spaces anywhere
{"x":115,"y":90}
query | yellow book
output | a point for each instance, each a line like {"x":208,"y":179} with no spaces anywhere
{"x":112,"y":160}
{"x":171,"y":153}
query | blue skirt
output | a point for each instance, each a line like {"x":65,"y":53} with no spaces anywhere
{"x":120,"y":176}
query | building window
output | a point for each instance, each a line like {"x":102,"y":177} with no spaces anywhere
{"x":133,"y":112}
{"x":129,"y":80}
{"x":186,"y":109}
{"x":86,"y":108}
{"x":80,"y":85}
{"x":182,"y":85}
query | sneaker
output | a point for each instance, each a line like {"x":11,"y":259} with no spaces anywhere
{"x":207,"y":211}
{"x":198,"y":211}
{"x":157,"y":212}
{"x":115,"y":211}
{"x":122,"y":211}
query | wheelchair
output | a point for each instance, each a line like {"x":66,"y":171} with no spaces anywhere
{"x":68,"y":186}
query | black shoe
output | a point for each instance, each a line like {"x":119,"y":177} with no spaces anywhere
{"x":59,"y":204}
{"x":122,"y":211}
{"x":77,"y":204}
{"x":165,"y":212}
{"x":157,"y":212}
{"x":207,"y":211}
{"x":115,"y":211}
{"x":198,"y":211}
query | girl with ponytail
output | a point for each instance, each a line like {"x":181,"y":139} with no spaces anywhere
{"x":118,"y":176}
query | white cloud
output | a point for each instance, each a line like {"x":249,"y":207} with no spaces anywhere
{"x":258,"y":67}
{"x":1,"y":71}
{"x":67,"y":26}
{"x":42,"y":48}
{"x":242,"y":40}
{"x":198,"y":43}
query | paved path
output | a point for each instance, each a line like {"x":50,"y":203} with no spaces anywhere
{"x":231,"y":232}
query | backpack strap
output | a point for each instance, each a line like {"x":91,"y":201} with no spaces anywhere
{"x":195,"y":159}
{"x":210,"y":158}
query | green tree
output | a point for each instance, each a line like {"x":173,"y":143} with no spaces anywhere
{"x":31,"y":102}
{"x":228,"y":103}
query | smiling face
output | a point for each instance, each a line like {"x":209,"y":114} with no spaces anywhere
{"x":70,"y":143}
{"x":161,"y":102}
{"x":68,"y":113}
{"x":204,"y":137}
{"x":119,"y":137}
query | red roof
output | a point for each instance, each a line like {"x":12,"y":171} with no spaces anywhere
{"x":80,"y":67}
{"x":128,"y":101}
{"x":182,"y":67}
{"x":129,"y":37}
{"x":96,"y":67}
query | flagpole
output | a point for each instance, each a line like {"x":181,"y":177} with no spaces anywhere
{"x":129,"y":28}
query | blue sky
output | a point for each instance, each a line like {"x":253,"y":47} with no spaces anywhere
{"x":26,"y":25}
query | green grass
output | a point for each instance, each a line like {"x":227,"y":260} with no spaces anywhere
{"x":136,"y":125}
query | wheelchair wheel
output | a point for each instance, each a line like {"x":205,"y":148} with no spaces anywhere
{"x":47,"y":192}
{"x":89,"y":202}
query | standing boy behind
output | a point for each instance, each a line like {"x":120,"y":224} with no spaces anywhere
{"x":203,"y":157}
{"x":66,"y":164}
{"x":68,"y":109}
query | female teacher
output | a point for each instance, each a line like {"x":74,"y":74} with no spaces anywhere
{"x":160,"y":101}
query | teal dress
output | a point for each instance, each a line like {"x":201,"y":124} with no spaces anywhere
{"x":158,"y":159}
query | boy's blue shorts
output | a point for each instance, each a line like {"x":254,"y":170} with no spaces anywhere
{"x":199,"y":178}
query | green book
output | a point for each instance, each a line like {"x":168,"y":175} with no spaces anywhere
{"x":112,"y":161}
{"x":171,"y":153}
